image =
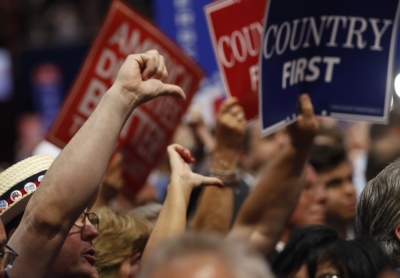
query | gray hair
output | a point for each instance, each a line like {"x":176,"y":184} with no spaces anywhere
{"x":241,"y":259}
{"x":378,"y":209}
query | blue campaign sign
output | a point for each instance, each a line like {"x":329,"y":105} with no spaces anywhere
{"x":184,"y":21}
{"x":339,"y":52}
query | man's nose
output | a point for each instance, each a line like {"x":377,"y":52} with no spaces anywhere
{"x":88,"y":232}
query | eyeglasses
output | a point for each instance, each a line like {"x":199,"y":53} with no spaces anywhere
{"x":7,"y":257}
{"x":92,"y":217}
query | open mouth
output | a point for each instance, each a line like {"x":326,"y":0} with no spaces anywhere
{"x":90,"y":256}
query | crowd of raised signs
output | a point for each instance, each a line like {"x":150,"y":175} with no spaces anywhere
{"x":319,"y":198}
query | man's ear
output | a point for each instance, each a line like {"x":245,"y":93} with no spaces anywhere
{"x":397,"y":233}
{"x":10,"y":233}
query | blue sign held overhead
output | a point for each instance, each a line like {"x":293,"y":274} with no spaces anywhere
{"x":339,"y":52}
{"x":184,"y":21}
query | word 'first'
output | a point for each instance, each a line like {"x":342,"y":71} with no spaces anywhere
{"x":303,"y":69}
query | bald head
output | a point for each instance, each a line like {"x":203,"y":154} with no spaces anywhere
{"x":205,"y":256}
{"x":203,"y":265}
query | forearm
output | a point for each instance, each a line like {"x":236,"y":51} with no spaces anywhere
{"x":77,"y":172}
{"x":172,"y":219}
{"x":215,"y":207}
{"x":266,"y":211}
{"x":68,"y":187}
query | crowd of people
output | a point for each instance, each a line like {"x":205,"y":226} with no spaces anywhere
{"x":226,"y":203}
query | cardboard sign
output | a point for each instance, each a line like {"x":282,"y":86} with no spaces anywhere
{"x":149,"y":129}
{"x":339,"y":52}
{"x":236,"y":28}
{"x":184,"y":21}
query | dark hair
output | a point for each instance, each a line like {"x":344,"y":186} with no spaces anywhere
{"x":327,"y":157}
{"x":315,"y":245}
{"x":334,"y":134}
{"x":359,"y":258}
{"x":302,"y":242}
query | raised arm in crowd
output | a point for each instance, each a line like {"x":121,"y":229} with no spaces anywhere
{"x":47,"y":240}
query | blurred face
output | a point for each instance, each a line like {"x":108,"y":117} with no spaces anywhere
{"x":341,"y":194}
{"x":328,"y":270}
{"x":310,"y":209}
{"x":76,"y":258}
{"x":301,"y":273}
{"x":262,"y":150}
{"x":193,"y":266}
{"x":130,"y":266}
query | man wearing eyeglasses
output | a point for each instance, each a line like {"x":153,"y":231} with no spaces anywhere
{"x":54,"y":238}
{"x":7,"y":254}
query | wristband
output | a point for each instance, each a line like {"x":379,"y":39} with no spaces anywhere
{"x":228,"y":177}
{"x":222,"y":162}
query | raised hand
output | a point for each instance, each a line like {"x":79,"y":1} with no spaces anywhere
{"x":231,"y":125}
{"x":140,"y":78}
{"x":304,"y":130}
{"x":179,"y":159}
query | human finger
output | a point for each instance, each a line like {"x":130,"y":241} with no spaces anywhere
{"x":185,"y":154}
{"x":234,"y":110}
{"x":164,"y":70}
{"x":164,"y":89}
{"x":209,"y":181}
{"x":151,"y":62}
{"x":227,"y":104}
{"x":159,"y":72}
{"x":307,"y":109}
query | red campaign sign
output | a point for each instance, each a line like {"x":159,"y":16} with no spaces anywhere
{"x":236,"y":29}
{"x":149,"y":129}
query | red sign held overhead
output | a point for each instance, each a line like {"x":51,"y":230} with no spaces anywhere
{"x":236,"y":44}
{"x":148,"y":131}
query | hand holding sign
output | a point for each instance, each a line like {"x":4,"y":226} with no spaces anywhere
{"x":140,"y":78}
{"x":304,"y":130}
{"x":231,"y":125}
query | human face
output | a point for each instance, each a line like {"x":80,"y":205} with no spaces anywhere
{"x":310,"y":209}
{"x":301,"y":273}
{"x":130,"y":266}
{"x":327,"y":270}
{"x":341,"y":193}
{"x":76,"y":258}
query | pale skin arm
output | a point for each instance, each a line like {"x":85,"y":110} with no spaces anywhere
{"x":74,"y":178}
{"x":183,"y":181}
{"x":268,"y":208}
{"x":215,"y":207}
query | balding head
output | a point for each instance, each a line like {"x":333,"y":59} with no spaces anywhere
{"x":205,"y":256}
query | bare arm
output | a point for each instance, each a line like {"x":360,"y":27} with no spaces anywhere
{"x":215,"y":208}
{"x":73,"y":179}
{"x":172,"y":219}
{"x":266,"y":211}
